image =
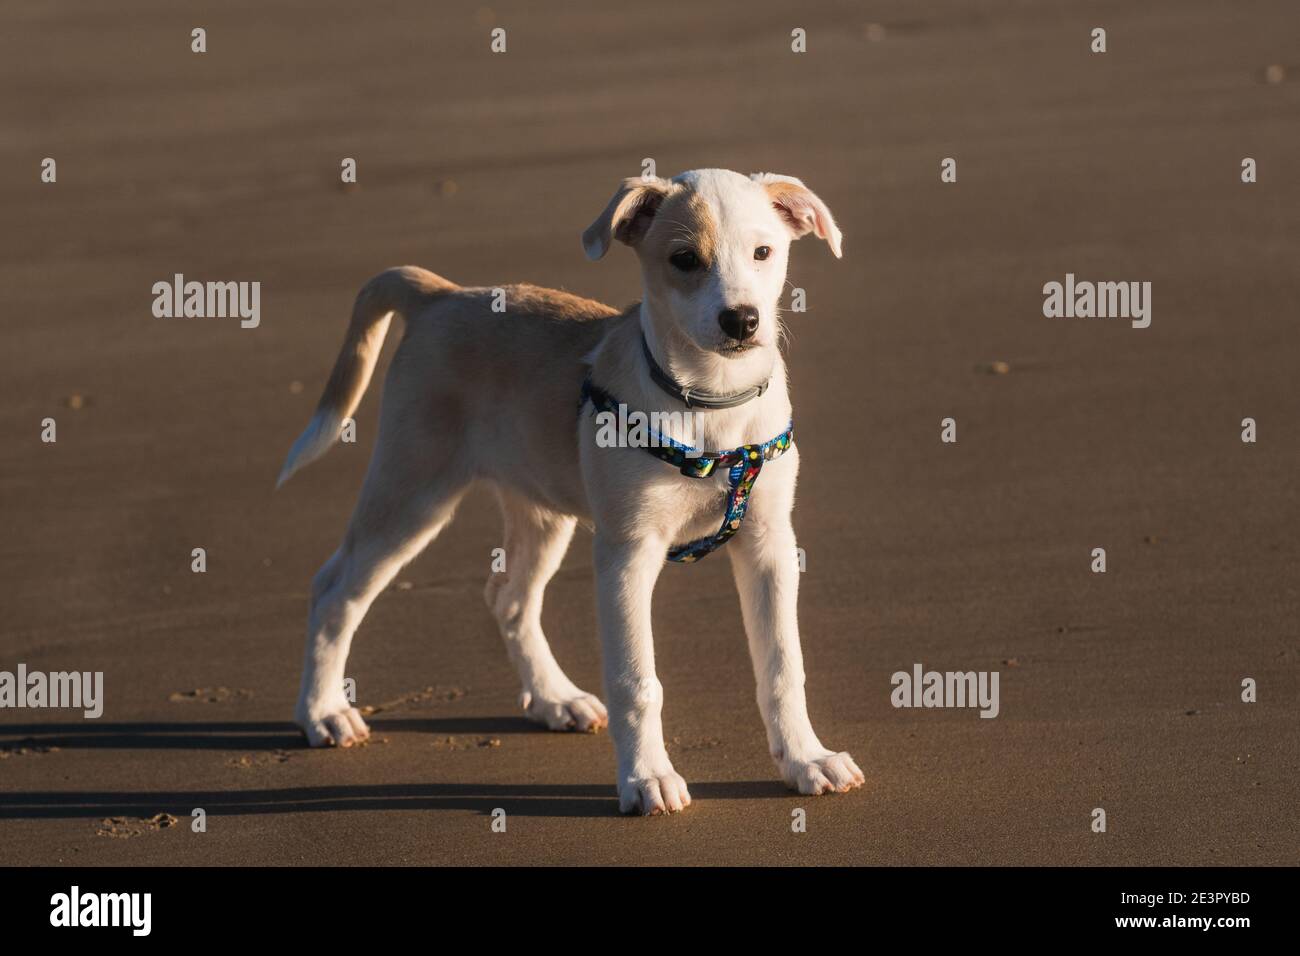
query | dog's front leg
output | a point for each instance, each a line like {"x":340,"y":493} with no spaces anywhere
{"x":626,"y":571}
{"x":767,"y":576}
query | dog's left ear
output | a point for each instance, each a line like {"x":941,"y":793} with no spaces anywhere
{"x":801,"y":209}
{"x":627,"y":216}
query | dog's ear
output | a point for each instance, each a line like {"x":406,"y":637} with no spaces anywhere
{"x":801,"y":209}
{"x":628,"y":215}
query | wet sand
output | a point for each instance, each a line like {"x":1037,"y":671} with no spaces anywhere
{"x":1118,"y":690}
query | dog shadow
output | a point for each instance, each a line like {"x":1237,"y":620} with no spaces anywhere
{"x":232,"y":735}
{"x":525,"y":800}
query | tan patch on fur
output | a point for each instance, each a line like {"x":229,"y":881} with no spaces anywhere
{"x":685,"y":220}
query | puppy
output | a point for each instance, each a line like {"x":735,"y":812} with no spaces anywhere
{"x":518,"y":398}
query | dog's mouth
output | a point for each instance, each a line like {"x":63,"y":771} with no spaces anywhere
{"x":732,"y":349}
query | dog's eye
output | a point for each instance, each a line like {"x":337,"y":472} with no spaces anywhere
{"x":685,"y":260}
{"x":762,"y":252}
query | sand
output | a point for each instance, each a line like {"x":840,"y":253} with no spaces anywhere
{"x":1119,"y":690}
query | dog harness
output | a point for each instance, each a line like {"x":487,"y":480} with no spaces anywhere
{"x":744,"y":462}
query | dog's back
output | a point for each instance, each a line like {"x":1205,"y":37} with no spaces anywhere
{"x":508,"y":383}
{"x":500,"y":367}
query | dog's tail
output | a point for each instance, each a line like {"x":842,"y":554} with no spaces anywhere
{"x":402,"y":290}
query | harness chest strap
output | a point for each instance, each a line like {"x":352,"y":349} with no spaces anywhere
{"x":744,"y":462}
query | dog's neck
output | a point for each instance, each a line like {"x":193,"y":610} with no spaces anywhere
{"x":619,"y":366}
{"x":695,"y":370}
{"x":695,"y":398}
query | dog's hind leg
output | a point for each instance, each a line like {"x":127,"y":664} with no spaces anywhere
{"x":535,"y":542}
{"x":405,"y":502}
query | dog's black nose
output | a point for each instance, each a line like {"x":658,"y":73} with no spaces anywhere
{"x":739,"y":323}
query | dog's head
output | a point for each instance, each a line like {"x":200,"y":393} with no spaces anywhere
{"x":713,"y":246}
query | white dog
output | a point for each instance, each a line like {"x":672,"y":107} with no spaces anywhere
{"x":518,"y":398}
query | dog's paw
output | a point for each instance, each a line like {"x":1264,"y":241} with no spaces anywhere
{"x":829,"y":773}
{"x":654,"y":794}
{"x":342,"y":727}
{"x":573,"y":710}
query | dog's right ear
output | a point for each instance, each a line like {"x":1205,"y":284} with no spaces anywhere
{"x":628,"y":215}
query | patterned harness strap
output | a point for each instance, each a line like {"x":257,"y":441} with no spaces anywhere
{"x":745,"y":463}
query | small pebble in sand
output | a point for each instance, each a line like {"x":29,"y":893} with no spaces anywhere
{"x":446,"y":187}
{"x":261,"y":759}
{"x":76,"y":400}
{"x":994,"y":368}
{"x":466,"y":743}
{"x":295,"y":388}
{"x":403,"y":586}
{"x":1012,"y":662}
{"x":428,"y":695}
{"x":208,"y":695}
{"x":125,"y":827}
{"x":1274,"y":73}
{"x":875,"y":32}
{"x":24,"y":747}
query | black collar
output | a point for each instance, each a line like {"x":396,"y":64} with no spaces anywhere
{"x":692,"y":399}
